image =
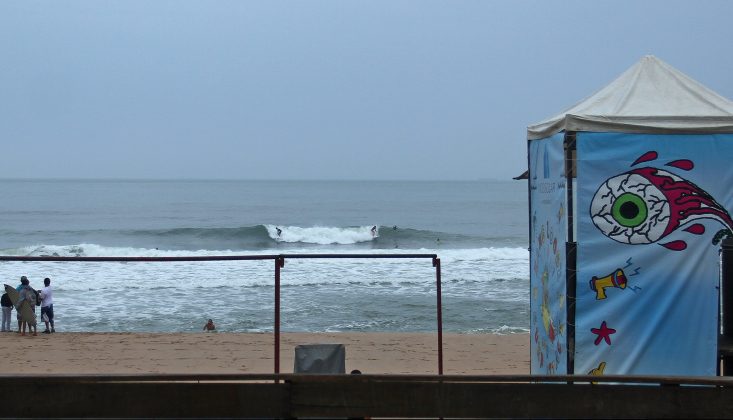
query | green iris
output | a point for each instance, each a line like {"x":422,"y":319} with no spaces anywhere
{"x":629,"y":210}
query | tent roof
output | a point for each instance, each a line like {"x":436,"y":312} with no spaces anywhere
{"x":649,"y":97}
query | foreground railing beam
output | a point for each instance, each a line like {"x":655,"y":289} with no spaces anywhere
{"x":403,"y":396}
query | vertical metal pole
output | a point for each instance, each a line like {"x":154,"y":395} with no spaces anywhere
{"x":570,"y":169}
{"x":571,"y":249}
{"x":529,"y":200}
{"x":436,"y":264}
{"x":279,"y":262}
{"x":571,"y":281}
{"x":726,"y":302}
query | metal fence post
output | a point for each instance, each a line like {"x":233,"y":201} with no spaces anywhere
{"x":279,"y":262}
{"x":436,"y":264}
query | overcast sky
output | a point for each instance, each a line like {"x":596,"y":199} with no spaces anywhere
{"x":320,"y":89}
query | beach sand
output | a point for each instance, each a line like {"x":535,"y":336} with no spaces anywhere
{"x":372,"y":353}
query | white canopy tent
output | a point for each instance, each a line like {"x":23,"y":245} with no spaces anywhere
{"x":649,"y":97}
{"x":649,"y":152}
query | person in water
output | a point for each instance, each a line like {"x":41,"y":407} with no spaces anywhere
{"x":279,"y":231}
{"x":210,"y":326}
{"x":374,"y":230}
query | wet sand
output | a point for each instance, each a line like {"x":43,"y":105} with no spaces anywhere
{"x":377,"y":353}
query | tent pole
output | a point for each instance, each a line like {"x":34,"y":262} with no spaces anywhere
{"x":725,"y":342}
{"x":570,"y":251}
{"x":570,"y":174}
{"x":529,"y":200}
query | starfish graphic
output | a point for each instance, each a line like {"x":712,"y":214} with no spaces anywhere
{"x":604,"y":333}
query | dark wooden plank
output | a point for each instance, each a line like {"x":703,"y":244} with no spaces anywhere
{"x":501,"y":400}
{"x":316,"y":396}
{"x":136,"y":400}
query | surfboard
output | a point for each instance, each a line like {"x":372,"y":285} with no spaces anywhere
{"x":26,"y":312}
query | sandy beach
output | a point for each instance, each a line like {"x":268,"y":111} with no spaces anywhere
{"x":378,"y":353}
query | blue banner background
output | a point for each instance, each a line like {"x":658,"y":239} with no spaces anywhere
{"x":666,"y":318}
{"x":548,"y":234}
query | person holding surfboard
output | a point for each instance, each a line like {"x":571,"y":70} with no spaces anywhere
{"x":17,"y":311}
{"x":27,"y":296}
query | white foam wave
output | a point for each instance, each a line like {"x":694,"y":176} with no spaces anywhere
{"x":505,"y":329}
{"x":459,"y":266}
{"x":115,"y":293}
{"x":321,"y":235}
{"x":95,"y":250}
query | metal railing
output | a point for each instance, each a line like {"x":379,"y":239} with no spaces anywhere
{"x":279,"y":260}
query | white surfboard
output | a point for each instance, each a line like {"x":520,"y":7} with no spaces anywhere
{"x":26,"y":312}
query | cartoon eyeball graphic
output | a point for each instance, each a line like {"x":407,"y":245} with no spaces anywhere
{"x":647,"y":204}
{"x":629,"y":209}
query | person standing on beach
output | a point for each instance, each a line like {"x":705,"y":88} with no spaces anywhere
{"x":17,"y":310}
{"x":7,"y":305}
{"x":27,"y":297}
{"x":47,"y":305}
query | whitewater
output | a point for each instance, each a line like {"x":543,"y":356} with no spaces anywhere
{"x":484,"y":270}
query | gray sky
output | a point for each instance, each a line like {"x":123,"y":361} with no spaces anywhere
{"x":320,"y":89}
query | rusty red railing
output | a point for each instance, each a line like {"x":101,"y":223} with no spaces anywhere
{"x":279,"y":260}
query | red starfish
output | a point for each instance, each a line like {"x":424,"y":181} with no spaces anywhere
{"x":604,"y":333}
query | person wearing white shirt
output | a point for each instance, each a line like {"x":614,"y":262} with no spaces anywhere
{"x":47,"y":305}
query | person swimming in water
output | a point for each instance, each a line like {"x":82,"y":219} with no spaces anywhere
{"x":209,"y":326}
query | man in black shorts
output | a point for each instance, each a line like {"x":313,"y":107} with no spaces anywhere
{"x":47,"y":305}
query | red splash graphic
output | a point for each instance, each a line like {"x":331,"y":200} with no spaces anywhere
{"x":646,"y":157}
{"x":675,"y":245}
{"x":696,"y":229}
{"x":684,"y":164}
{"x":686,"y":200}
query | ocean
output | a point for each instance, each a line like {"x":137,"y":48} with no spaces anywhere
{"x":478,"y":229}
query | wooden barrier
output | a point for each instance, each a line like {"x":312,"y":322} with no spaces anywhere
{"x":408,"y":396}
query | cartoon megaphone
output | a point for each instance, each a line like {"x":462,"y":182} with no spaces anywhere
{"x":617,"y":279}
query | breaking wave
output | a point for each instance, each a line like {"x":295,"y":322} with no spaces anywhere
{"x":267,"y":237}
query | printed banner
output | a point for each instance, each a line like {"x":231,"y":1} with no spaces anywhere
{"x":652,"y":210}
{"x":548,"y":233}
